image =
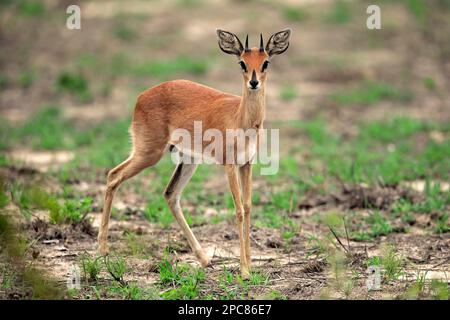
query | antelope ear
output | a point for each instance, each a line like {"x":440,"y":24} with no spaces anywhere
{"x":278,"y":42}
{"x":229,"y":42}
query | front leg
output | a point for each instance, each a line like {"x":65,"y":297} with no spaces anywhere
{"x":246,"y":182}
{"x":233,"y":180}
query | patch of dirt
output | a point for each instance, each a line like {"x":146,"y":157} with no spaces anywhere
{"x":45,"y":231}
{"x":361,"y":197}
{"x":41,"y":160}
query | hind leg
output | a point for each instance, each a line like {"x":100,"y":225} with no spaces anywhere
{"x":127,"y":169}
{"x":180,"y":178}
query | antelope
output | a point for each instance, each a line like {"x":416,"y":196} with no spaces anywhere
{"x":177,"y":104}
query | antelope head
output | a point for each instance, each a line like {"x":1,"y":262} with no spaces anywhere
{"x":255,"y":61}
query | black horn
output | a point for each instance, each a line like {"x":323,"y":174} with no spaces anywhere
{"x":246,"y":44}
{"x":261,"y":43}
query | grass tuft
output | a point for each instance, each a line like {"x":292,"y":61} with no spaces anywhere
{"x":294,"y":14}
{"x":75,"y":84}
{"x":288,"y":93}
{"x":339,"y":13}
{"x":166,"y":68}
{"x":185,"y":279}
{"x":371,"y":93}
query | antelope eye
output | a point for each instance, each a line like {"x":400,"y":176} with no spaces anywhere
{"x":265,"y":65}
{"x":243,"y":66}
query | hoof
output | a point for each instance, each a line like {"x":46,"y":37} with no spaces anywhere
{"x":245,"y":274}
{"x":203,"y":259}
{"x":206,"y":263}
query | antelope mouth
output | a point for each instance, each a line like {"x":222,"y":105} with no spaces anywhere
{"x":252,"y":88}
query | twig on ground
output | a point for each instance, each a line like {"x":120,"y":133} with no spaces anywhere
{"x":346,"y":234}
{"x":337,"y":238}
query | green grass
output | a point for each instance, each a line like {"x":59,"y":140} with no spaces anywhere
{"x":190,"y":3}
{"x":371,"y":93}
{"x":194,"y":220}
{"x":116,"y":267}
{"x":439,"y":290}
{"x":167,"y":68}
{"x":339,"y":13}
{"x":31,"y":197}
{"x":274,"y":295}
{"x":21,"y":274}
{"x":4,"y":199}
{"x":376,"y":224}
{"x":220,"y":217}
{"x":31,"y":7}
{"x":26,"y":79}
{"x":294,"y":14}
{"x":92,"y":266}
{"x":443,"y":223}
{"x":379,"y":225}
{"x":88,"y":60}
{"x":131,"y":291}
{"x":158,"y":211}
{"x":392,"y":130}
{"x":44,"y":130}
{"x":184,"y":278}
{"x":391,"y":262}
{"x":226,"y":281}
{"x":73,"y":210}
{"x":124,"y":32}
{"x":434,"y":201}
{"x":121,"y":64}
{"x":288,"y":93}
{"x":419,"y":10}
{"x":269,"y":217}
{"x":423,"y":289}
{"x":373,"y":261}
{"x":339,"y":280}
{"x":418,"y":287}
{"x":258,"y":279}
{"x":74,"y":83}
{"x":284,"y":200}
{"x":382,"y":151}
{"x":104,"y":144}
{"x":135,"y":244}
{"x":8,"y":277}
{"x":233,"y":287}
{"x":4,"y":82}
{"x":429,"y":83}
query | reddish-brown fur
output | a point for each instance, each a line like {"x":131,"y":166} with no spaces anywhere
{"x":176,"y":105}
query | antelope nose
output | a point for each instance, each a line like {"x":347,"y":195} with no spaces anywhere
{"x":254,"y":81}
{"x":254,"y":84}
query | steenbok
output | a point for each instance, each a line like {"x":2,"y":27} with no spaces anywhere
{"x":177,"y":104}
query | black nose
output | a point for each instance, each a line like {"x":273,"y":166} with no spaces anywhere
{"x":254,"y":82}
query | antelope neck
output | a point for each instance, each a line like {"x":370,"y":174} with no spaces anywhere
{"x":252,"y":108}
